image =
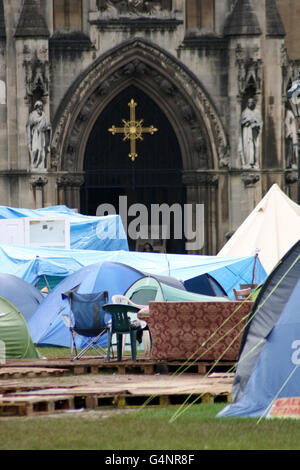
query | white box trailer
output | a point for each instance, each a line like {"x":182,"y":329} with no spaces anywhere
{"x":28,"y":231}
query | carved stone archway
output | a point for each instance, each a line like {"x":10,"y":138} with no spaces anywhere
{"x":170,"y":85}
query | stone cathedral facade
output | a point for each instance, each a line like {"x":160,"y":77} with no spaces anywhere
{"x":191,"y":66}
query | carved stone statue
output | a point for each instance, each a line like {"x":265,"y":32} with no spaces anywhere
{"x":129,"y":6}
{"x":291,"y":139}
{"x":250,"y":128}
{"x":39,"y":135}
{"x":2,"y":92}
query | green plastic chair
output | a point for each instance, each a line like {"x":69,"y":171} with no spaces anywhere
{"x":120,"y":325}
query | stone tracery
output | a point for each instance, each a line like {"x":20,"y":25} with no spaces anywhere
{"x":140,"y":62}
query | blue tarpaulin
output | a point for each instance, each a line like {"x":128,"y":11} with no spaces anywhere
{"x":86,"y":232}
{"x":32,"y":263}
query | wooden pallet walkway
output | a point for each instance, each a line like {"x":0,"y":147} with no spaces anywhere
{"x":22,"y":372}
{"x":48,"y":404}
{"x":141,"y":366}
{"x":129,"y":391}
{"x":15,"y":387}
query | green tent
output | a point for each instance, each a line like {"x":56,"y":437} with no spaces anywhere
{"x":153,"y":289}
{"x":15,"y":340}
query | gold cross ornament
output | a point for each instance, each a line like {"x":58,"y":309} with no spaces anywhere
{"x":132,"y":130}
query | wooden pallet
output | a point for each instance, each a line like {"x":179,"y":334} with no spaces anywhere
{"x":49,"y":404}
{"x":82,"y":366}
{"x":123,"y":367}
{"x":201,"y":367}
{"x":94,"y":366}
{"x":127,"y":401}
{"x":114,"y":391}
{"x":29,"y":372}
{"x":17,"y":387}
{"x":147,"y":367}
{"x":19,"y":406}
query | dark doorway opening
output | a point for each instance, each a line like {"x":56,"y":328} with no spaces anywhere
{"x":155,"y":177}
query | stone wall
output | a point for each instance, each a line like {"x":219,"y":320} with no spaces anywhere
{"x":242,"y":47}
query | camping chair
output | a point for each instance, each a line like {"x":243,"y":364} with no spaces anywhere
{"x":121,"y":325}
{"x":87,"y":320}
{"x":121,"y":299}
{"x":242,"y":294}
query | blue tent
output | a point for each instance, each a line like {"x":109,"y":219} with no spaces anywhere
{"x":205,"y":284}
{"x":229,"y":272}
{"x":269,"y":359}
{"x":46,"y":325}
{"x":86,"y":232}
{"x":20,"y":293}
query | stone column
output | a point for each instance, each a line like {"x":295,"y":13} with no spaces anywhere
{"x":3,"y":107}
{"x":202,"y":188}
{"x":68,"y":190}
{"x":37,"y":185}
{"x":11,"y":86}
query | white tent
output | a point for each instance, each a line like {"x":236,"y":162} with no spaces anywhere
{"x":271,"y":229}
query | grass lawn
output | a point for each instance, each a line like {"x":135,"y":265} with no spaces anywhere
{"x":196,"y":429}
{"x":150,"y":428}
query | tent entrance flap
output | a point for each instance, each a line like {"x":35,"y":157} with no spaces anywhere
{"x":206,"y":285}
{"x":145,"y":290}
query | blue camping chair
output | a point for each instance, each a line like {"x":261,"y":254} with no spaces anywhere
{"x":121,"y":325}
{"x":87,"y":320}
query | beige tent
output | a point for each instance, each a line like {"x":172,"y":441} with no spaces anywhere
{"x":271,"y":229}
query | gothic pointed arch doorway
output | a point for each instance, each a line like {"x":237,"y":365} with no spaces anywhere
{"x":153,"y":178}
{"x":200,"y":160}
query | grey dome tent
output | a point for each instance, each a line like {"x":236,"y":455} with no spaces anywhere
{"x":268,"y":361}
{"x":20,"y":293}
